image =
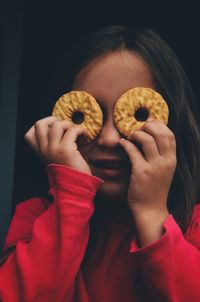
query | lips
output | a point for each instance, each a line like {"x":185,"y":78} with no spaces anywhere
{"x":110,"y":164}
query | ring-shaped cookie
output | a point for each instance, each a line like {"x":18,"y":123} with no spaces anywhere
{"x":81,"y":108}
{"x":135,"y":106}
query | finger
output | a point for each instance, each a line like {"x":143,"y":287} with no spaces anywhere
{"x":57,"y":130}
{"x":41,"y":131}
{"x":135,"y":156}
{"x":48,"y":120}
{"x":72,"y":133}
{"x":30,"y":138}
{"x":147,"y":142}
{"x":163,"y":136}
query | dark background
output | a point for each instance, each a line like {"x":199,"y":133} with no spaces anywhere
{"x":46,"y":31}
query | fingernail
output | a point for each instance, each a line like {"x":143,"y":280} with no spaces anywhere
{"x":149,"y":119}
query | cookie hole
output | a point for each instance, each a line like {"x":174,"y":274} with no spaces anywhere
{"x":77,"y":117}
{"x":141,"y":114}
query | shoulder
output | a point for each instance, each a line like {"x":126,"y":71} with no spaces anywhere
{"x":196,"y":212}
{"x":195,"y":221}
{"x":22,"y":222}
{"x":27,"y":211}
{"x":193,"y":232}
{"x":34,"y":205}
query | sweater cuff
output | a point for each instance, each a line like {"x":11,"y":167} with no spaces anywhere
{"x":60,"y":176}
{"x":153,"y":250}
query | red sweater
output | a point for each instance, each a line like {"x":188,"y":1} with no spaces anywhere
{"x":51,"y":240}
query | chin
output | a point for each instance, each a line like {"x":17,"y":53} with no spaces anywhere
{"x":113,"y":192}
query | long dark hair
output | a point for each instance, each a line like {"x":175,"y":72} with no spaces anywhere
{"x":174,"y":86}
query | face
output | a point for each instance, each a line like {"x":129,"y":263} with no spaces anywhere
{"x":106,"y":78}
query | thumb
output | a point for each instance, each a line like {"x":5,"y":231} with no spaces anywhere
{"x":149,"y":119}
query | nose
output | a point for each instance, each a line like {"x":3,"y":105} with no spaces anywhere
{"x":109,"y":135}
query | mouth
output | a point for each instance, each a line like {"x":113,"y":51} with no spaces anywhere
{"x":110,"y":167}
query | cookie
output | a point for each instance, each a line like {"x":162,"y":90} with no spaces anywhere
{"x":134,"y":107}
{"x":80,"y":108}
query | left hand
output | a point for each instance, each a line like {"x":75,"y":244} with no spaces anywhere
{"x":153,"y":169}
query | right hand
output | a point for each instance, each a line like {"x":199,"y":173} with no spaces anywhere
{"x":55,"y":142}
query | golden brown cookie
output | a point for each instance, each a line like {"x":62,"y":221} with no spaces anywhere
{"x":81,"y":108}
{"x":135,"y":106}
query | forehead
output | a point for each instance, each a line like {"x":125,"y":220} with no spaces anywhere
{"x":110,"y":75}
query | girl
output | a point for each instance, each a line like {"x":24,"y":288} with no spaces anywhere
{"x":124,"y":221}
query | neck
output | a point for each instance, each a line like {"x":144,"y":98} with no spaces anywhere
{"x":111,"y":210}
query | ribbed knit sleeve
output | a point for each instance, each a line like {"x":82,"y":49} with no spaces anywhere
{"x":45,"y":267}
{"x":169,"y":268}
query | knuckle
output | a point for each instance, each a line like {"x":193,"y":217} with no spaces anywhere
{"x":62,"y":151}
{"x":149,"y":140}
{"x":38,"y":124}
{"x":171,"y":162}
{"x":72,"y":128}
{"x":54,"y":124}
{"x":174,"y":161}
{"x":172,"y":136}
{"x":65,"y":123}
{"x":146,"y":171}
{"x":51,"y":149}
{"x":48,"y":154}
{"x":162,"y":135}
{"x":26,"y":135}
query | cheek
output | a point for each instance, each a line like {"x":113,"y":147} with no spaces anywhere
{"x":86,"y":150}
